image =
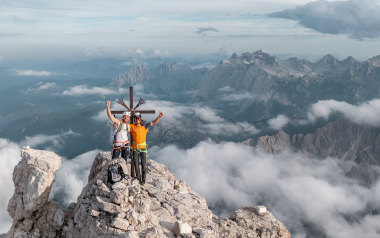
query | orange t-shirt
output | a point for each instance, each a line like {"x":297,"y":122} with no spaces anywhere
{"x":139,"y":134}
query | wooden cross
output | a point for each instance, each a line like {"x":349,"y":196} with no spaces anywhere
{"x":133,"y":111}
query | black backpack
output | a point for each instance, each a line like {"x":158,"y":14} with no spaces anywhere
{"x":115,"y":173}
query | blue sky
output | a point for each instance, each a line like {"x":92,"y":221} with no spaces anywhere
{"x":43,"y":29}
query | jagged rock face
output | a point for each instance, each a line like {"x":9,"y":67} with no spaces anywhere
{"x":152,"y":210}
{"x":272,"y":144}
{"x":346,"y":141}
{"x":273,"y":86}
{"x":340,"y":139}
{"x":163,"y":207}
{"x":29,"y":208}
{"x":166,"y":79}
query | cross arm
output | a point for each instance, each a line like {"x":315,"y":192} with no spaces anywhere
{"x":140,"y":111}
{"x":146,"y":111}
{"x":117,"y":112}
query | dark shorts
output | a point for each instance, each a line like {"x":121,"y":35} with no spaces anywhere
{"x":122,"y":151}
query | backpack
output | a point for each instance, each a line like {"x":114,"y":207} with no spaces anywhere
{"x":115,"y":173}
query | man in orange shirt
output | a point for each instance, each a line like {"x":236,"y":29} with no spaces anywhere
{"x":138,"y":131}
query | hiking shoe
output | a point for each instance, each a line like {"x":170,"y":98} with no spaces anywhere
{"x":142,"y":183}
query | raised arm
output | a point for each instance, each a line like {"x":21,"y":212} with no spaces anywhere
{"x":157,"y":119}
{"x":109,"y":114}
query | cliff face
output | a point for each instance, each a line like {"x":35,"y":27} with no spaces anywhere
{"x":340,"y":139}
{"x":164,"y":207}
{"x":33,"y":215}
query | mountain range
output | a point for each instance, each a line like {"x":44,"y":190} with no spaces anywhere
{"x":260,"y":84}
{"x":341,"y":139}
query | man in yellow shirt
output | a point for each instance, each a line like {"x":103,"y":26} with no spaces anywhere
{"x":138,"y":131}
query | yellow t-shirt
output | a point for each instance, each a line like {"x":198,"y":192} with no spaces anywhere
{"x":139,"y":134}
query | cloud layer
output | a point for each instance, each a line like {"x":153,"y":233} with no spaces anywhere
{"x":42,"y":87}
{"x":358,"y":19}
{"x":81,"y":90}
{"x":50,"y":142}
{"x":9,"y":157}
{"x":45,"y":30}
{"x":299,"y":191}
{"x":72,"y":177}
{"x":31,"y":72}
{"x":203,"y":30}
{"x":366,"y":113}
{"x":278,"y":122}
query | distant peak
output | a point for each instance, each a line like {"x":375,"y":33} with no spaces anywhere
{"x":327,"y":60}
{"x":253,"y":57}
{"x":350,"y":60}
{"x":375,"y":61}
{"x":328,"y":57}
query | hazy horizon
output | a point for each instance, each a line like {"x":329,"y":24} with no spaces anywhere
{"x":48,"y":30}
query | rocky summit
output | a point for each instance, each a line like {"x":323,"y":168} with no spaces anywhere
{"x":163,"y":207}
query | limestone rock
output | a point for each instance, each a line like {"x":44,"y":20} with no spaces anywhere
{"x":261,"y":225}
{"x":274,"y":144}
{"x":163,"y":207}
{"x":338,"y":139}
{"x":33,"y":177}
{"x":181,"y":228}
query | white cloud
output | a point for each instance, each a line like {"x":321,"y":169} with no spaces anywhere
{"x":365,"y":113}
{"x":136,"y":53}
{"x":233,"y":95}
{"x":46,"y":86}
{"x":356,"y":18}
{"x":208,"y":65}
{"x":51,"y":142}
{"x":101,"y":116}
{"x":239,"y":96}
{"x":217,"y":125}
{"x":296,"y":189}
{"x":203,"y":30}
{"x":81,"y":90}
{"x":43,"y":86}
{"x":127,"y":63}
{"x":72,"y":177}
{"x":31,"y":72}
{"x":229,"y":128}
{"x":9,"y":157}
{"x":278,"y":122}
{"x":207,"y":114}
